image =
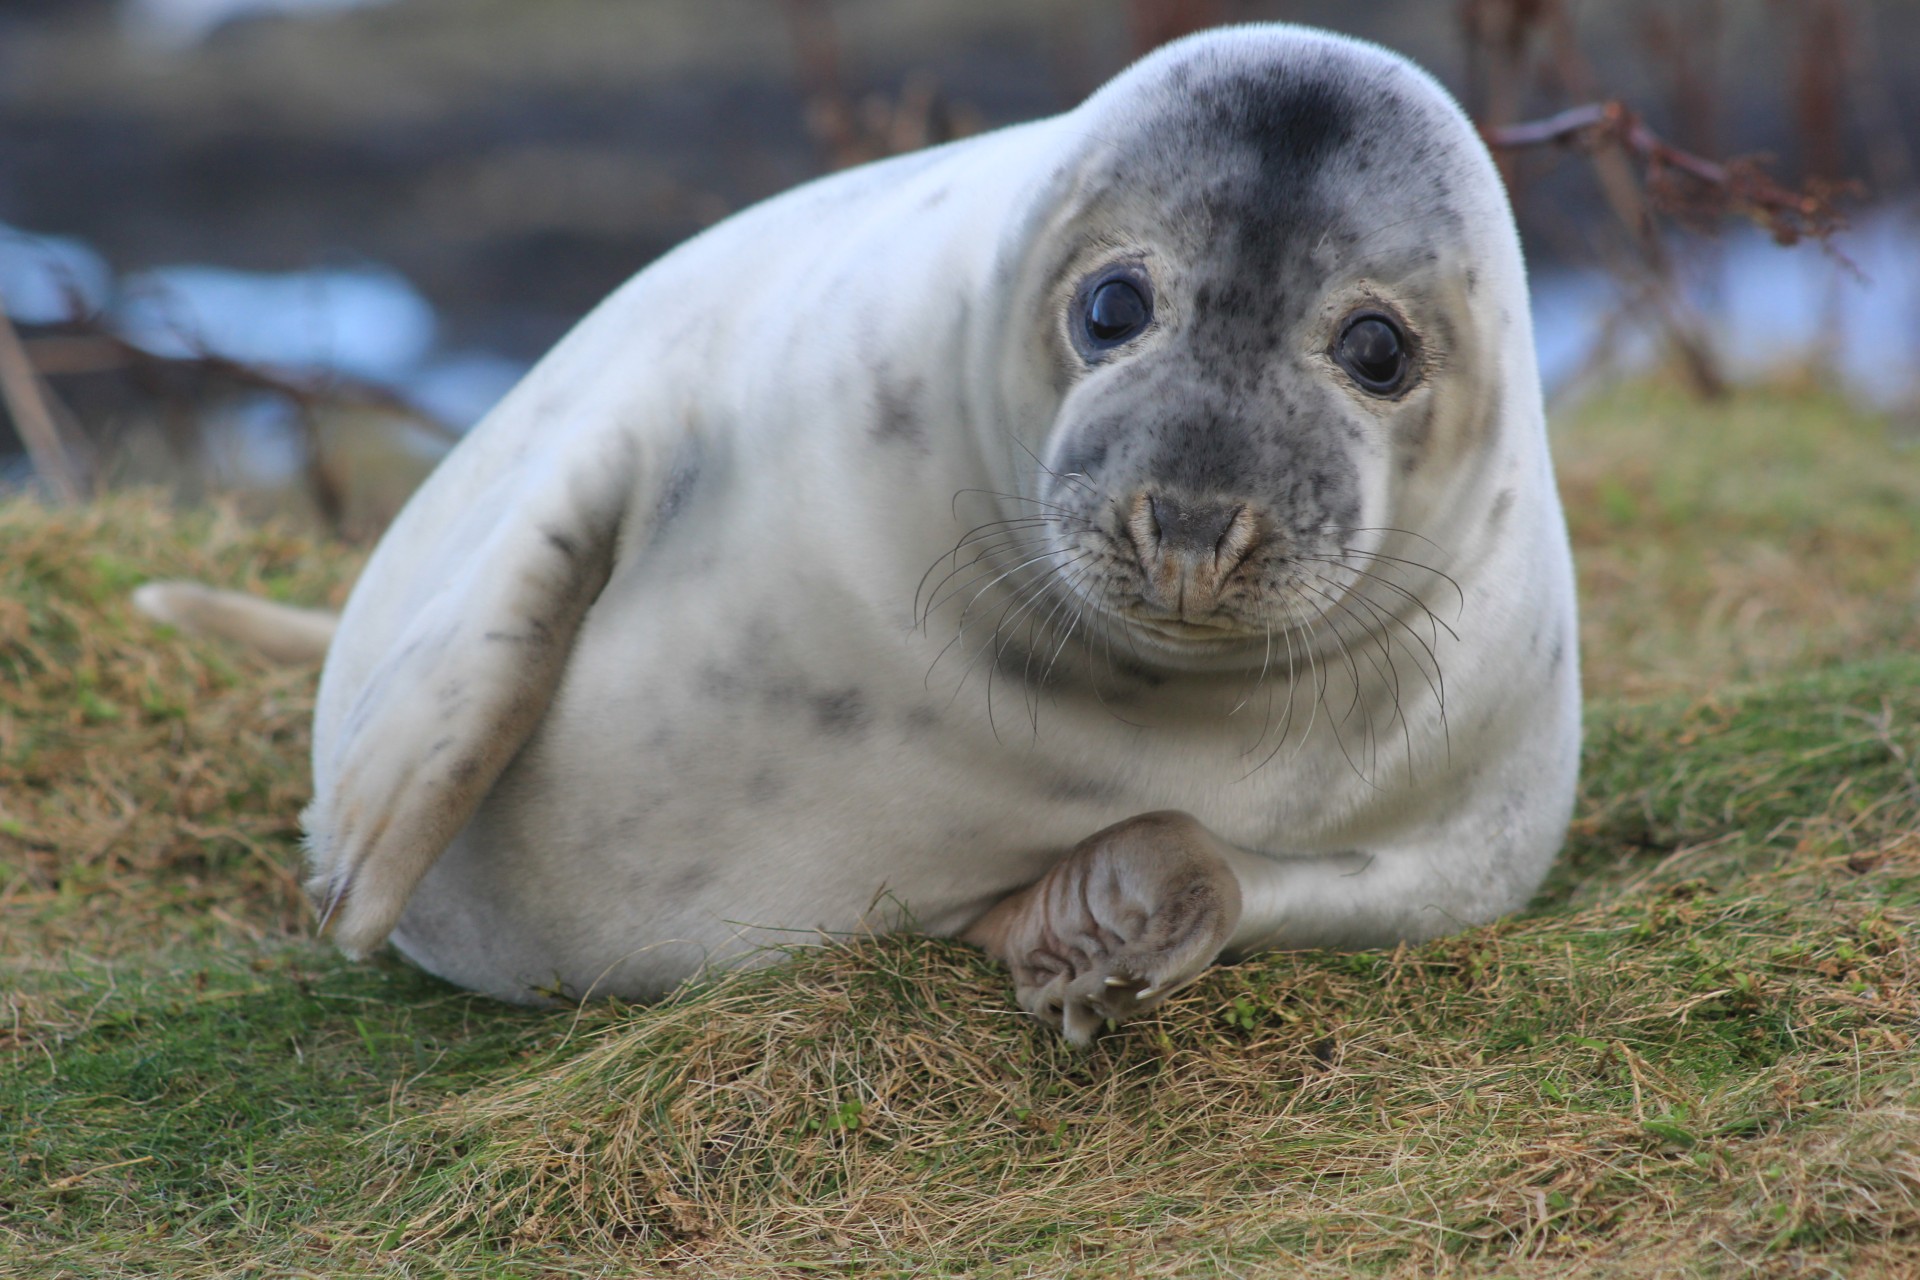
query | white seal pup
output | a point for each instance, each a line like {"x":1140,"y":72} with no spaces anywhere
{"x":1213,"y":403}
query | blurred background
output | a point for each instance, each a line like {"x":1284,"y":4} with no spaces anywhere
{"x":289,"y":250}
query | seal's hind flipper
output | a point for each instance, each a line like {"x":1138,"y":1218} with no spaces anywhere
{"x":279,"y":632}
{"x":440,"y":716}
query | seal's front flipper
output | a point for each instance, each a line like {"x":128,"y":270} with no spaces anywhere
{"x":440,"y":716}
{"x":1134,"y":913}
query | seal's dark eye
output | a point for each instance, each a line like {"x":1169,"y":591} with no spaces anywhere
{"x":1373,"y":351}
{"x":1116,"y":311}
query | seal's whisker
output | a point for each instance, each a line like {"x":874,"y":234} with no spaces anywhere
{"x":1351,"y":590}
{"x":1023,"y":596}
{"x":1436,"y":679}
{"x":1317,"y":697}
{"x":1071,"y":598}
{"x":1458,"y":591}
{"x":1352,"y":707}
{"x":1388,"y":528}
{"x":1070,"y":477}
{"x":1436,"y":682}
{"x":959,"y":638}
{"x":1035,"y":593}
{"x":979,"y":532}
{"x":1066,"y":513}
{"x":986,"y":555}
{"x":1433,"y":619}
{"x":1390,"y":677}
{"x":1358,"y":705}
{"x":997,"y":579}
{"x":1340,"y":640}
{"x":1247,"y":697}
{"x":1065,"y":601}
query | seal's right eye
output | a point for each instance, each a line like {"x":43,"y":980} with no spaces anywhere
{"x":1116,"y":311}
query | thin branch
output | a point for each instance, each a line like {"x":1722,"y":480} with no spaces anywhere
{"x":27,"y":402}
{"x":1736,"y":186}
{"x":99,"y":350}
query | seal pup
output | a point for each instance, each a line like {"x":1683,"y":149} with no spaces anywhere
{"x":1213,"y":405}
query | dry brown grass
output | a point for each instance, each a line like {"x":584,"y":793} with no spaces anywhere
{"x":149,"y":786}
{"x":1758,"y":536}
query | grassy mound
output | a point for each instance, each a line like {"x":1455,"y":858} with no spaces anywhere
{"x":1724,"y":1042}
{"x":1694,"y":1056}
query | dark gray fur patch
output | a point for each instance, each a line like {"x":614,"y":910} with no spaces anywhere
{"x":765,"y":786}
{"x":1084,"y":791}
{"x":1501,"y":506}
{"x":842,"y":711}
{"x":688,"y":461}
{"x":1416,"y":437}
{"x":688,"y":882}
{"x":898,"y":414}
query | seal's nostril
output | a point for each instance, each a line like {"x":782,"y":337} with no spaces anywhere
{"x":1143,"y":527}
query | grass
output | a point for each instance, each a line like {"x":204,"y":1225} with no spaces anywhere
{"x":1695,"y":1056}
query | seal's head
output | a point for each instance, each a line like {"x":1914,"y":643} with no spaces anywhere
{"x":1281,"y":311}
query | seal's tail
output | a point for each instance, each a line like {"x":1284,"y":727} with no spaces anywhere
{"x":279,"y":632}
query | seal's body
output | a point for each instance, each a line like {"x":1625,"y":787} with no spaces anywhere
{"x":1213,"y":405}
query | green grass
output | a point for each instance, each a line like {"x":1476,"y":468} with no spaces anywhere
{"x":1695,"y":1055}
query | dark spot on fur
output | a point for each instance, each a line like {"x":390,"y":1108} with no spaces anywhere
{"x":842,"y":711}
{"x":681,"y":481}
{"x":1084,"y":791}
{"x":1501,"y":506}
{"x":1416,"y":436}
{"x":897,"y":410}
{"x":765,"y":786}
{"x":687,"y":882}
{"x":922,"y":719}
{"x":561,"y":542}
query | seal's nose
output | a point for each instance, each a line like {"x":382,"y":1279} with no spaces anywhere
{"x":1190,"y":549}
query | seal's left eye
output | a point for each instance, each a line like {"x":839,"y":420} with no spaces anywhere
{"x":1374,"y":354}
{"x":1116,"y":311}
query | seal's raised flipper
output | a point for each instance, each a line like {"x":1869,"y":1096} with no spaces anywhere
{"x":1133,"y":914}
{"x":461,"y":687}
{"x":279,"y":632}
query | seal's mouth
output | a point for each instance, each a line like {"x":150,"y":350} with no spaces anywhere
{"x":1213,"y":631}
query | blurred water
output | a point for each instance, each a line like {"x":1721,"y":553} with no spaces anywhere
{"x":366,"y":322}
{"x":179,"y":24}
{"x":1855,"y":310}
{"x":45,"y":279}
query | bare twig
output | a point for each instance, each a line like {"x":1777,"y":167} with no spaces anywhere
{"x":1738,"y":186}
{"x":99,"y":350}
{"x":33,"y":416}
